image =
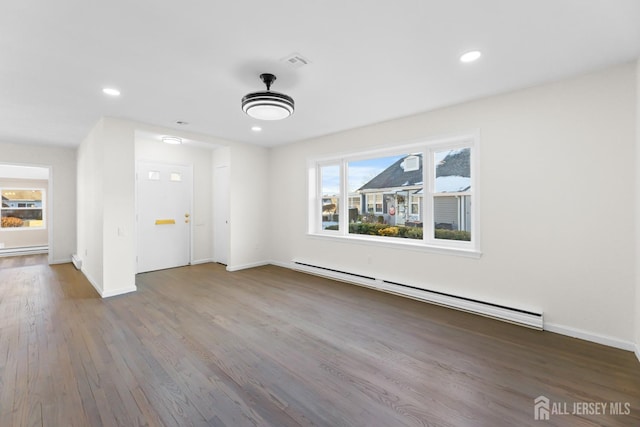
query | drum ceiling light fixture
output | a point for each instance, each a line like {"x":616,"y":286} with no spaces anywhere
{"x":268,"y":105}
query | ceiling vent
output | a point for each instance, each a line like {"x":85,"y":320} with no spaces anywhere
{"x":295,"y":60}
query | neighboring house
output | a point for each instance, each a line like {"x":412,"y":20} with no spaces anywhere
{"x":20,"y":209}
{"x":329,"y":211}
{"x":396,"y":194}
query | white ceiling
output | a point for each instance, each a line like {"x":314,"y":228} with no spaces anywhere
{"x":371,"y":60}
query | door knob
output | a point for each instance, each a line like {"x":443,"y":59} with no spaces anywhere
{"x":187,"y":215}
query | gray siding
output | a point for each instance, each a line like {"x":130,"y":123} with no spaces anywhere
{"x":446,"y":210}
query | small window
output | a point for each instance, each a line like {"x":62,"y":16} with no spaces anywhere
{"x":175,"y":176}
{"x":330,"y":190}
{"x":22,"y":208}
{"x":452,"y":195}
{"x":154,"y":175}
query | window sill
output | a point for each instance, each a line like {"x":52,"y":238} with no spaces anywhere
{"x":399,"y":243}
{"x":22,"y":228}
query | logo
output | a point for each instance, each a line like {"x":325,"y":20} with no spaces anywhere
{"x":544,"y":408}
{"x":541,"y":408}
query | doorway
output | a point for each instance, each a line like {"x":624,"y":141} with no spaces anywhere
{"x":26,"y":227}
{"x":163,"y":218}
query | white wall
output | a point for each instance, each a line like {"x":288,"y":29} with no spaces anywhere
{"x":150,"y":149}
{"x":63,"y":198}
{"x":249,"y":206}
{"x":106,"y":207}
{"x":221,"y":157}
{"x":556,"y":178}
{"x":23,"y":237}
{"x":637,"y":197}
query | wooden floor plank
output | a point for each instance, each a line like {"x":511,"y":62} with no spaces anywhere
{"x":272,"y":347}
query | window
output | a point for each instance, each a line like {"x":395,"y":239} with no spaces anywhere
{"x":374,"y":203}
{"x":416,"y":201}
{"x":419,"y":194}
{"x":452,"y":194}
{"x":330,"y":192}
{"x":22,"y":208}
{"x":355,"y":206}
{"x":354,"y":202}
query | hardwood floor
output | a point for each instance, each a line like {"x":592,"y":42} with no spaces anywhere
{"x":23,"y":260}
{"x":272,"y":347}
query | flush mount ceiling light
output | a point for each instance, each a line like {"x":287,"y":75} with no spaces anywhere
{"x":471,"y":56}
{"x":172,"y":140}
{"x":267,"y":105}
{"x":111,"y":91}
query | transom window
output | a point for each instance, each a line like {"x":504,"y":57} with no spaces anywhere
{"x":421,"y":194}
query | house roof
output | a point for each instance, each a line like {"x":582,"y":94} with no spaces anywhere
{"x":395,"y":176}
{"x":456,"y":163}
{"x":452,"y":174}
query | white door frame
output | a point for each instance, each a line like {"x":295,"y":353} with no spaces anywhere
{"x":49,"y":204}
{"x":191,"y":192}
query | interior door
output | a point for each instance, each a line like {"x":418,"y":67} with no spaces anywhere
{"x":221,"y":215}
{"x":163,"y":216}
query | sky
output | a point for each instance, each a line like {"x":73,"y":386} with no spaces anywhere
{"x":360,"y":172}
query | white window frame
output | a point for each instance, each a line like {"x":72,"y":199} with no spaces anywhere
{"x":429,"y":243}
{"x":318,"y":191}
{"x":42,"y":208}
{"x":413,"y":202}
{"x":358,"y":200}
{"x":375,"y":197}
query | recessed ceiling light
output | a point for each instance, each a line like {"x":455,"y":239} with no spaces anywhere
{"x":111,"y":91}
{"x":256,"y":128}
{"x":470,"y":56}
{"x":172,"y":140}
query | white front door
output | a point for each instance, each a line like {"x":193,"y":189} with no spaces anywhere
{"x":163,"y":215}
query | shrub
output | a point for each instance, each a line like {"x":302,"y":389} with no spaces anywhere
{"x":413,"y":233}
{"x":389,"y":231}
{"x":11,"y":221}
{"x":374,"y":229}
{"x":453,"y":234}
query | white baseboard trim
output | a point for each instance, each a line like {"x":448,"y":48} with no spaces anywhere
{"x":111,"y":292}
{"x":61,"y":261}
{"x":551,"y":327}
{"x":246,"y":266}
{"x":508,"y":314}
{"x":93,"y":282}
{"x":202,"y":261}
{"x":120,"y":291}
{"x":590,"y":336}
{"x":282,"y":264}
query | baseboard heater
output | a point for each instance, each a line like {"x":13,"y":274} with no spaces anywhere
{"x":77,"y":262}
{"x":496,"y":311}
{"x":27,"y":250}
